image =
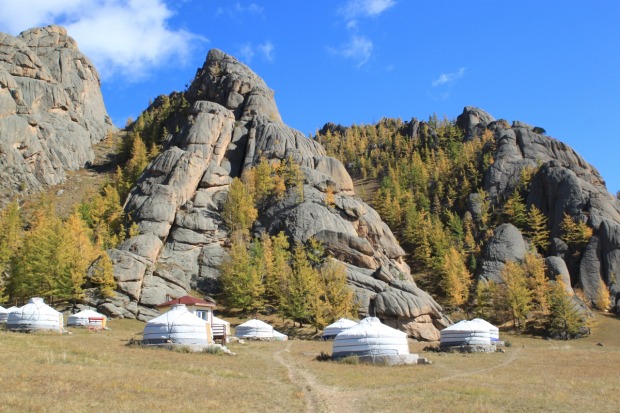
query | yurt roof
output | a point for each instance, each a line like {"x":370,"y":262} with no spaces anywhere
{"x":372,"y":327}
{"x":465,"y":325}
{"x":87,"y":314}
{"x":187,"y":300}
{"x":490,"y":326}
{"x":254,"y":323}
{"x":217,"y":320}
{"x":11,"y":309}
{"x":36,"y":304}
{"x":342,"y":323}
{"x":3,"y":310}
{"x":177,"y":314}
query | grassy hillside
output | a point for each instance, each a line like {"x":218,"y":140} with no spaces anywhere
{"x":88,"y":371}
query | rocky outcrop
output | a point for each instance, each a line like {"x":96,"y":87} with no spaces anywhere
{"x":233,"y":124}
{"x":507,"y":244}
{"x":563,"y":183}
{"x":51,"y":109}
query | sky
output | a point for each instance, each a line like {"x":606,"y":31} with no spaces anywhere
{"x":553,"y":63}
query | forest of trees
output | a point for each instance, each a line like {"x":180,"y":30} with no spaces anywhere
{"x":426,"y":184}
{"x":298,"y":281}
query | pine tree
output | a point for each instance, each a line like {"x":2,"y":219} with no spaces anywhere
{"x":279,"y":271}
{"x":456,"y":279}
{"x":103,"y":276}
{"x":137,"y":162}
{"x":339,"y":298}
{"x":11,"y":237}
{"x":517,"y":292}
{"x":239,"y":212}
{"x":575,"y":234}
{"x":564,"y":320}
{"x":515,"y":211}
{"x":264,"y":184}
{"x":534,"y":267}
{"x":76,"y":255}
{"x":241,"y":282}
{"x":538,"y":231}
{"x":297,"y":302}
{"x":602,"y":300}
{"x":483,"y":307}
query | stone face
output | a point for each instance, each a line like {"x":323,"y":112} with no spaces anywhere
{"x":507,"y":244}
{"x":563,"y":183}
{"x":177,"y":202}
{"x":51,"y":110}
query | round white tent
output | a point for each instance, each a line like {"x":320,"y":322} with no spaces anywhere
{"x":87,"y":318}
{"x":338,"y":327}
{"x":370,"y":338}
{"x":465,"y":333}
{"x":492,"y":329}
{"x":4,"y":314}
{"x":36,"y":315}
{"x":177,"y":326}
{"x":258,"y":330}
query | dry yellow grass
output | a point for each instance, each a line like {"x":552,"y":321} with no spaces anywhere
{"x":96,"y":372}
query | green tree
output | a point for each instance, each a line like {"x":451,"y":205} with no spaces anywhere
{"x":456,"y":279}
{"x":103,"y":276}
{"x":518,"y":294}
{"x":301,"y":288}
{"x":534,"y":267}
{"x":76,"y":255}
{"x":538,"y":231}
{"x":564,"y":320}
{"x":11,"y":236}
{"x":337,"y":295}
{"x":239,"y":212}
{"x":575,"y":234}
{"x":241,"y":282}
{"x":515,"y":211}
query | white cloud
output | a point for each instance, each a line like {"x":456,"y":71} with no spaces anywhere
{"x":448,"y":78}
{"x":249,"y":50}
{"x":125,"y":38}
{"x":266,"y":49}
{"x":359,"y":49}
{"x":252,"y":8}
{"x":365,"y":8}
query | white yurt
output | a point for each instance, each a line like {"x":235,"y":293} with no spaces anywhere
{"x":370,"y":338}
{"x":332,"y":330}
{"x":258,"y":330}
{"x":87,"y":318}
{"x":465,"y":333}
{"x":36,"y":315}
{"x":492,"y":329}
{"x":221,"y":328}
{"x":178,"y":326}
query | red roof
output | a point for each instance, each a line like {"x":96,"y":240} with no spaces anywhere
{"x":187,"y":300}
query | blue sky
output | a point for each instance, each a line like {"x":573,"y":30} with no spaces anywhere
{"x":552,"y":63}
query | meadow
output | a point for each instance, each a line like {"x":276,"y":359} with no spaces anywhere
{"x":97,"y":371}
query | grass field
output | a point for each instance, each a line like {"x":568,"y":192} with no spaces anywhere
{"x":97,"y":372}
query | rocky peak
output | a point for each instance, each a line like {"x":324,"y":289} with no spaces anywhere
{"x":51,"y":109}
{"x":563,"y":183}
{"x":232,"y":125}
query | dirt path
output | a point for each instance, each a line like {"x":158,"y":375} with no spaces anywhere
{"x":319,"y":397}
{"x":509,"y":360}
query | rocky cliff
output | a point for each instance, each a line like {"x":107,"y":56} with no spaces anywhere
{"x":51,"y":109}
{"x":232,"y":124}
{"x":563,"y":184}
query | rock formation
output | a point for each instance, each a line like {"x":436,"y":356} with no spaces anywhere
{"x":233,"y":123}
{"x":563,"y":184}
{"x":51,"y":109}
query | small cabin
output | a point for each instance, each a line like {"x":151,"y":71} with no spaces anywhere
{"x":197,"y":306}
